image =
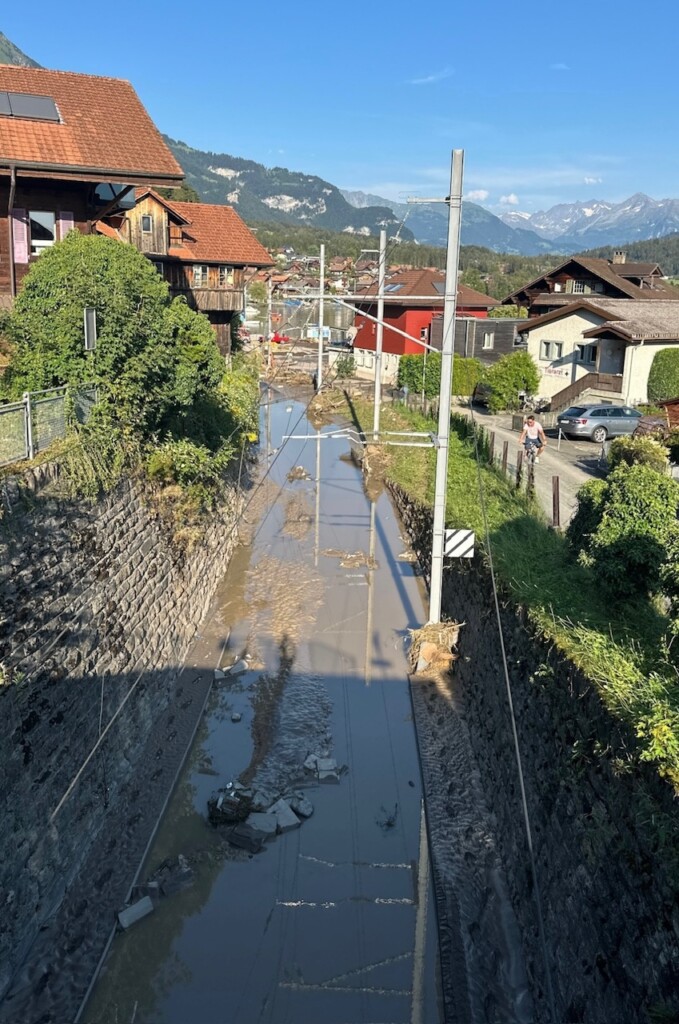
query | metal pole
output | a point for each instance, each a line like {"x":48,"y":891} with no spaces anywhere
{"x":269,"y":299}
{"x":556,"y":509}
{"x":28,"y":415}
{"x":379,"y":334}
{"x":440,"y":486}
{"x":321,"y":314}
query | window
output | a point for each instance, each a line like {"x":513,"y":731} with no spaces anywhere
{"x":424,"y":334}
{"x":489,"y":339}
{"x":226,"y":276}
{"x":147,"y":223}
{"x":199,"y":275}
{"x":579,"y":287}
{"x":551,"y":349}
{"x":587,"y":354}
{"x":42,"y":226}
{"x":159,"y":267}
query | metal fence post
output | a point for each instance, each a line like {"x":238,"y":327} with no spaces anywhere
{"x":28,"y":424}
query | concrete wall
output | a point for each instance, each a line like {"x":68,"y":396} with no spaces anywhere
{"x":89,"y":593}
{"x":604,"y":826}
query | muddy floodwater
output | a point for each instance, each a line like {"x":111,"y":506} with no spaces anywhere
{"x":332,"y":921}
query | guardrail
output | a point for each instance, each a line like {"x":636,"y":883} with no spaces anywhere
{"x":40,"y":418}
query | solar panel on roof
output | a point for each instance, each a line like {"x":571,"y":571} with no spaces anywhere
{"x":440,"y":287}
{"x":36,"y":108}
{"x":4,"y":104}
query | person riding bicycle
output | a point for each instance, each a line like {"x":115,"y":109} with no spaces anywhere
{"x":533,"y":436}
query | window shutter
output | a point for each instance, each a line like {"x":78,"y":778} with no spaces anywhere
{"x":20,"y":235}
{"x":66,"y":223}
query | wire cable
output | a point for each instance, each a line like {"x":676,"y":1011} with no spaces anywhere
{"x":515,"y":734}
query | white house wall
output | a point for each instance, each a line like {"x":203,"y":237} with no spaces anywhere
{"x":556,"y":374}
{"x":638,"y":362}
{"x":364,"y":360}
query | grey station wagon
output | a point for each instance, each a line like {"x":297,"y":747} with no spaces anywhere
{"x":597,"y":422}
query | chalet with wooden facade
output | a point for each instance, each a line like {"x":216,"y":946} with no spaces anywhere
{"x":412,"y":299}
{"x":72,"y":149}
{"x":481,"y":338}
{"x":204,"y":252}
{"x":582,"y":276}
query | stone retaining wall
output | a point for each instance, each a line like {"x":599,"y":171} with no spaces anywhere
{"x":610,"y":905}
{"x":97,"y":608}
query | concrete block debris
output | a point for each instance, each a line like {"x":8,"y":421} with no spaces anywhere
{"x":218,"y":674}
{"x":246,"y":838}
{"x":239,"y":667}
{"x":302,"y":807}
{"x":236,"y":716}
{"x":324,"y":769}
{"x":285,"y":816}
{"x":130,"y":915}
{"x":264,"y":822}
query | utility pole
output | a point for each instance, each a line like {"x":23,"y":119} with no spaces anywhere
{"x":379,"y":334}
{"x":321,"y":317}
{"x":269,"y":291}
{"x":454,"y":200}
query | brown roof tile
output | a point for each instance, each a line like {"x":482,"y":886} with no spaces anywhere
{"x":424,"y":282}
{"x":216,"y":234}
{"x":104,"y":128}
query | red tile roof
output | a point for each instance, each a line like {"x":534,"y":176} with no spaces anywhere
{"x":104,"y":129}
{"x":424,"y":283}
{"x":216,"y":234}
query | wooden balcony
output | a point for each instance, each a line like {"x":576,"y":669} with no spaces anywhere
{"x":212,"y":299}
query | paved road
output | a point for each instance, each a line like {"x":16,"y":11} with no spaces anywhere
{"x":574,"y":462}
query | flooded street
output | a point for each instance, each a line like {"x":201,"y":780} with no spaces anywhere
{"x":332,"y":921}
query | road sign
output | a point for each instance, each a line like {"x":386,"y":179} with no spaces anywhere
{"x":459,"y":544}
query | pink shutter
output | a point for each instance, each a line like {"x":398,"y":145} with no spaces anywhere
{"x":20,"y":235}
{"x":66,"y":223}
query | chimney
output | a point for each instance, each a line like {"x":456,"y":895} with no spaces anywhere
{"x":619,"y":256}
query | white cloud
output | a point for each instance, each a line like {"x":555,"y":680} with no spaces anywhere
{"x":591,"y":181}
{"x":559,"y":67}
{"x":511,"y":200}
{"x":478,"y":194}
{"x":437,"y":76}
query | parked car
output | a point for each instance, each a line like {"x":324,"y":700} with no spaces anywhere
{"x":597,"y":421}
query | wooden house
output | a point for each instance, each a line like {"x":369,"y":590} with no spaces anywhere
{"x":581,"y":276}
{"x":72,"y":149}
{"x":204,"y":252}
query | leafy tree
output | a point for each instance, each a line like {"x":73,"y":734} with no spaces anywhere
{"x":663,"y":377}
{"x":625,"y":527}
{"x":507,"y":312}
{"x":511,"y":374}
{"x":184,"y":194}
{"x":423,"y":373}
{"x":151,"y":354}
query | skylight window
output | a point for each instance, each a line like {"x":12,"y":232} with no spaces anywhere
{"x":393,"y":287}
{"x":28,"y":106}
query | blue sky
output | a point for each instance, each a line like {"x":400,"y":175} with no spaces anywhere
{"x":551,"y":103}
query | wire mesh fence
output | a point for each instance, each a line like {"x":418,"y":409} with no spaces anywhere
{"x":40,"y":418}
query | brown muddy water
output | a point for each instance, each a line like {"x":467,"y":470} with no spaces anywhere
{"x":332,"y":922}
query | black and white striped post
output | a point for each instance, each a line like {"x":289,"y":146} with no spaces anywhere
{"x":459,"y":544}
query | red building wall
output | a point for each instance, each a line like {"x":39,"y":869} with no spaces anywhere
{"x":412,"y":321}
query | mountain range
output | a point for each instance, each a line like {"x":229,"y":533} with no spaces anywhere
{"x":278,"y":194}
{"x":572,"y":227}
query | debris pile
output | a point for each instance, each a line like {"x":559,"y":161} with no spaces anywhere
{"x":170,"y":877}
{"x":434,"y":646}
{"x":253,"y":816}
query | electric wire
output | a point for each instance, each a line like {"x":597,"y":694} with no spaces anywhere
{"x":515,"y":734}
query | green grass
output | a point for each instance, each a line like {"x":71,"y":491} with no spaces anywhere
{"x":619,"y":645}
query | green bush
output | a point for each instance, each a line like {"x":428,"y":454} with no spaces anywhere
{"x":511,"y":374}
{"x":643,"y":451}
{"x":184,"y":463}
{"x":663,"y":377}
{"x":423,"y":373}
{"x":624,"y":527}
{"x":420,"y":374}
{"x":585,"y":522}
{"x":344,"y":367}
